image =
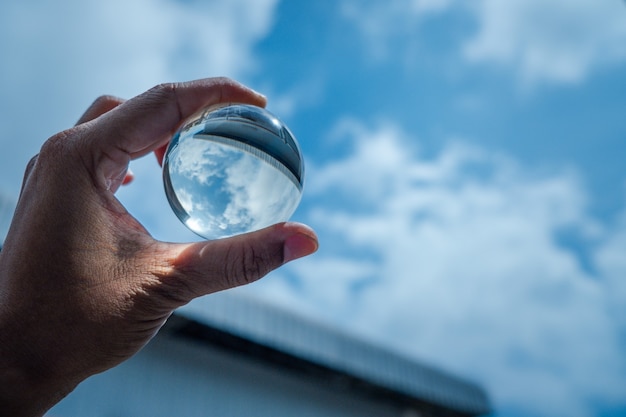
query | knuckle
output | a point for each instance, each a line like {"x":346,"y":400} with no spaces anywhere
{"x":223,"y":80}
{"x":28,"y":171}
{"x":58,"y":146}
{"x":164,"y":93}
{"x":164,"y":90}
{"x":49,"y":159}
{"x":99,"y":102}
{"x":31,"y":164}
{"x":99,"y":106}
{"x":54,"y":147}
{"x":103,"y":100}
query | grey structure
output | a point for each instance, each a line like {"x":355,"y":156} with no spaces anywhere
{"x":336,"y":358}
{"x":231,"y":355}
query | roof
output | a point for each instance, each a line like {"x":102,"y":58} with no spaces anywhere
{"x":268,"y":333}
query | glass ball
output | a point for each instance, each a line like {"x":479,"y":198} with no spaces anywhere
{"x":233,"y":169}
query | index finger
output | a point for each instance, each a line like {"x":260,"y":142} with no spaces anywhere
{"x":146,"y":122}
{"x":99,"y":107}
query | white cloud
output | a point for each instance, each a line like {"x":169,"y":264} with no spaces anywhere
{"x":556,"y":40}
{"x":455,"y":260}
{"x":559,"y":41}
{"x":132,"y":45}
{"x":59,"y":56}
{"x":429,"y":6}
{"x":72,"y":51}
{"x":611,"y":259}
{"x":383,"y":24}
{"x":451,"y":259}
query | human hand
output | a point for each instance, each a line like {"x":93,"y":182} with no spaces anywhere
{"x":83,"y":286}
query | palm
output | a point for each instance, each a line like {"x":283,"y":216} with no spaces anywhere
{"x":83,"y":286}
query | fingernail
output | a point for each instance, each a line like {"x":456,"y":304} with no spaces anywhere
{"x":262,"y":98}
{"x":299,"y":245}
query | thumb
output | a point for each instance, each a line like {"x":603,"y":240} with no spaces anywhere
{"x":206,"y":267}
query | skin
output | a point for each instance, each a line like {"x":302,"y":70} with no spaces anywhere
{"x":83,"y":286}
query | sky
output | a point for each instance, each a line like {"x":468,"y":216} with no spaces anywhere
{"x":464,"y":165}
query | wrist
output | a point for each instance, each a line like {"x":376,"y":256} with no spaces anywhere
{"x":27,"y":387}
{"x":21,"y":396}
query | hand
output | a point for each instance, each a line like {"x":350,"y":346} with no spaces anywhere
{"x":83,"y":286}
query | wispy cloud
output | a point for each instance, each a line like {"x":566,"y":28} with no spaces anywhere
{"x":556,"y":41}
{"x":74,"y":51}
{"x":456,"y":259}
{"x":383,"y":25}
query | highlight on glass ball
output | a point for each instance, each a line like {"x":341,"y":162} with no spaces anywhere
{"x":233,"y":169}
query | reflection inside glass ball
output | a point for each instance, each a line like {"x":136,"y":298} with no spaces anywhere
{"x":232,"y":170}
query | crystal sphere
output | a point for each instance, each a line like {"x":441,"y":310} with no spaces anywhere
{"x":233,"y":169}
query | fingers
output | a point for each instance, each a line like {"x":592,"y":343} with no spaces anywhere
{"x":27,"y":171}
{"x":160,"y":154}
{"x":146,"y":122}
{"x":129,"y":177}
{"x":100,"y":106}
{"x":207,"y":267}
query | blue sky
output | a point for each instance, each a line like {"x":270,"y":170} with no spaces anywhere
{"x":464,"y":164}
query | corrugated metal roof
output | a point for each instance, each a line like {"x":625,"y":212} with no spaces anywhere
{"x":283,"y":331}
